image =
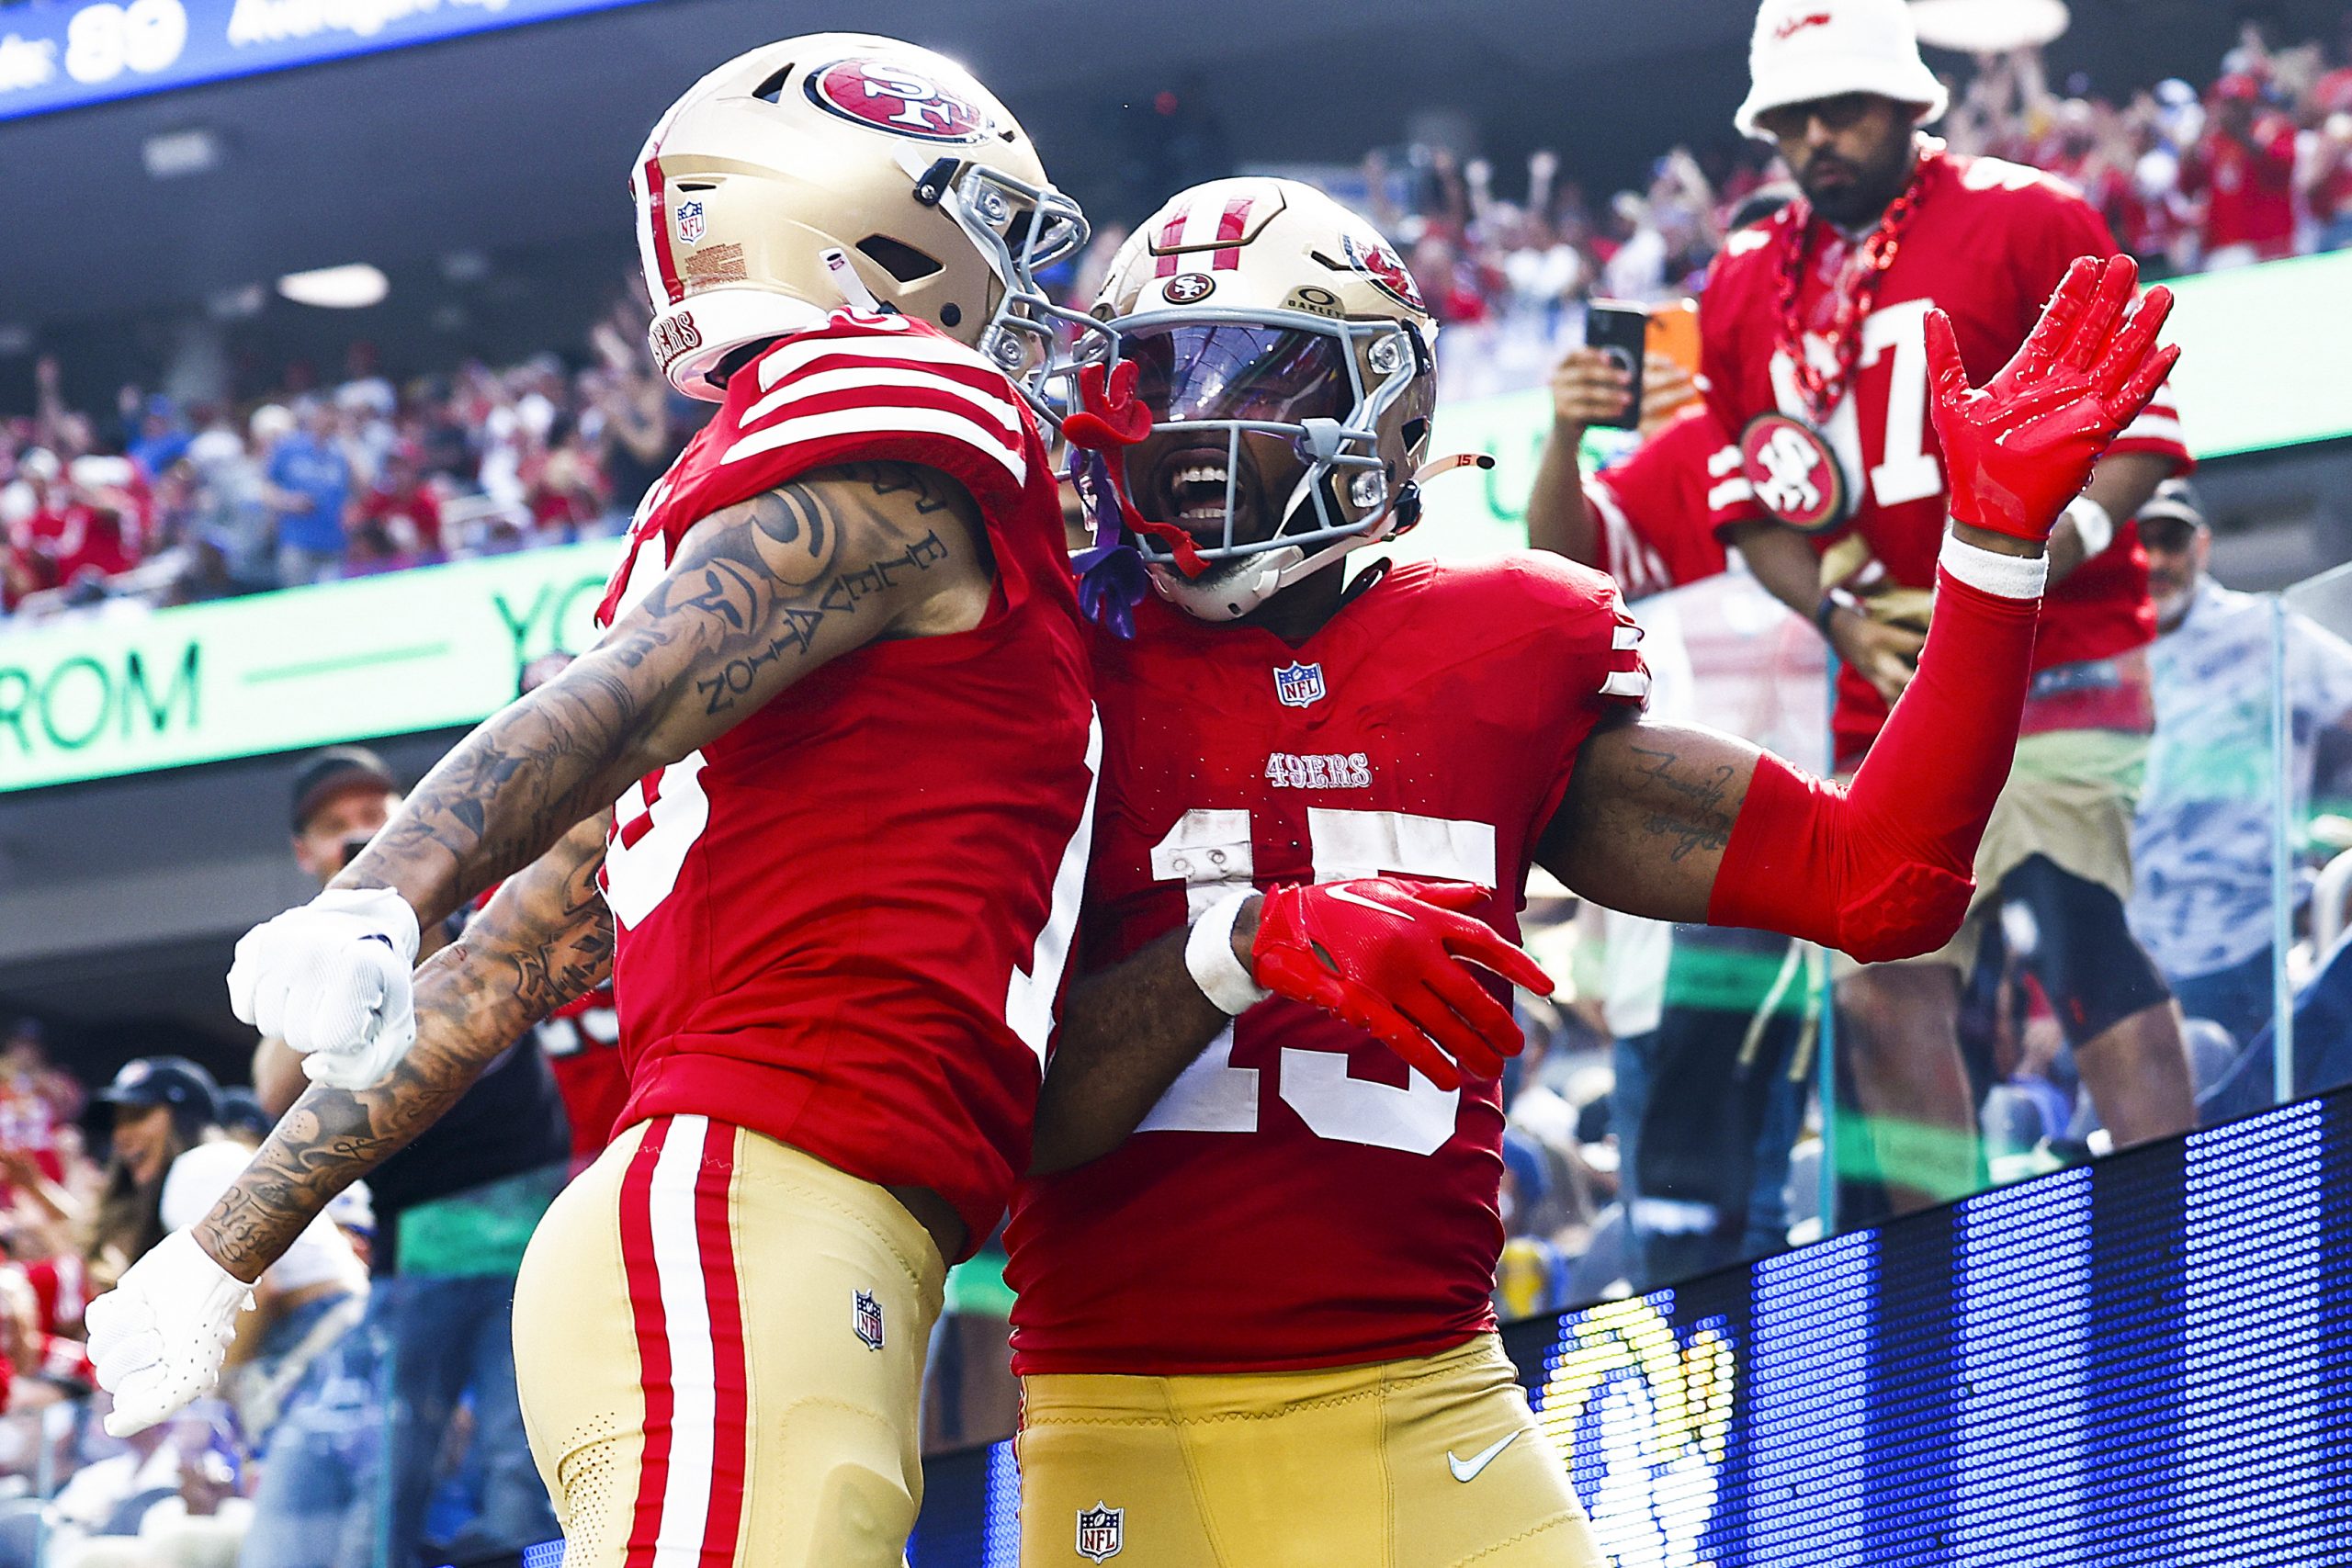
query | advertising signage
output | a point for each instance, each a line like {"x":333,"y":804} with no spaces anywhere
{"x":431,"y":649}
{"x":2147,"y":1362}
{"x":55,"y":54}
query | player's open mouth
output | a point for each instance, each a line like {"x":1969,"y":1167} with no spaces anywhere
{"x":1190,"y":489}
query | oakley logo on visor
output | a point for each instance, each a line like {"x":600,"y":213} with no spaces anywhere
{"x":897,"y":99}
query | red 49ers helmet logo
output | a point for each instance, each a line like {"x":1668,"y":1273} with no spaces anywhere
{"x":1795,"y":474}
{"x":1378,"y":262}
{"x":897,"y":98}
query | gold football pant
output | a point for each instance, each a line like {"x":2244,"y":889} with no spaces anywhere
{"x":1435,"y":1463}
{"x":718,"y":1341}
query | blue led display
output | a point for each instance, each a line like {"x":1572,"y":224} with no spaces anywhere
{"x":2143,"y":1364}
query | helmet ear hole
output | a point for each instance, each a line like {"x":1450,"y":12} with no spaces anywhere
{"x":1415,"y":432}
{"x":772,"y":90}
{"x":897,"y":258}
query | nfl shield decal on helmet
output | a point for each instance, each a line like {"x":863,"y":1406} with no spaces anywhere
{"x":898,"y":98}
{"x":1300,"y":685}
{"x":868,"y":1312}
{"x":1101,"y":1532}
{"x":690,"y":222}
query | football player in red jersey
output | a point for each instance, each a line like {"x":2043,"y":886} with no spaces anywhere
{"x":1253,"y":1268}
{"x":819,"y":799}
{"x":1814,"y":350}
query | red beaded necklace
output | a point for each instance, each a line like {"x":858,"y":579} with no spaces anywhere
{"x":1821,"y":391}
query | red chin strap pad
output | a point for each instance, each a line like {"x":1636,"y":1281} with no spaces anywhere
{"x":1881,"y":868}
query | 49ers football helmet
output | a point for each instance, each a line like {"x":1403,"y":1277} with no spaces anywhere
{"x":1275,"y":335}
{"x":843,"y":168}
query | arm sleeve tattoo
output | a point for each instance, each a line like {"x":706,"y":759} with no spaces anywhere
{"x":759,"y":594}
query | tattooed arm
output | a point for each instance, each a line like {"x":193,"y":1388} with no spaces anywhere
{"x":759,"y":594}
{"x":545,"y":939}
{"x":1647,"y":817}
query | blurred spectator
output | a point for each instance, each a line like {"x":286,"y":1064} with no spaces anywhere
{"x":2203,"y":838}
{"x":452,"y":1213}
{"x":397,"y":522}
{"x":309,"y":481}
{"x":2244,"y":171}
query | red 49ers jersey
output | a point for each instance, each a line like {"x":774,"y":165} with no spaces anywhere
{"x":1299,"y":1198}
{"x":842,"y":923}
{"x":1652,"y":506}
{"x":583,"y":1042}
{"x":1988,"y":245}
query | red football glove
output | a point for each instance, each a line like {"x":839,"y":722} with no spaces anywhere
{"x":1382,"y":953}
{"x":2021,"y":447}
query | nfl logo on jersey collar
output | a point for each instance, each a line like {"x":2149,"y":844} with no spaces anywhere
{"x":1300,"y":685}
{"x":1099,"y":1532}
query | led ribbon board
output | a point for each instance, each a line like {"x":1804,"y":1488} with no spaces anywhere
{"x":2144,"y":1361}
{"x":55,"y":54}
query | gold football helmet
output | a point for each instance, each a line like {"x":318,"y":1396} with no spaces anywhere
{"x":842,"y":168}
{"x":1288,"y":363}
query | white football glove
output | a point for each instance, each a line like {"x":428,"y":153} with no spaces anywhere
{"x":332,"y":980}
{"x":158,"y":1336}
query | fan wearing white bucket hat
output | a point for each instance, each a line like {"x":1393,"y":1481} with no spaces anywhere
{"x":1814,"y":356}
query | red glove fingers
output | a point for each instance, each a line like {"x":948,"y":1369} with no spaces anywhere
{"x":2020,"y":447}
{"x":1387,"y":955}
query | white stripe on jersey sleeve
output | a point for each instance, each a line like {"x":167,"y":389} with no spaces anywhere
{"x":1724,"y":494}
{"x":1625,"y":552}
{"x":966,"y":429}
{"x":851,"y":378}
{"x":880,"y":348}
{"x":1724,"y":460}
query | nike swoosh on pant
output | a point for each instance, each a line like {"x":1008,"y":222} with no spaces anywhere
{"x":1468,"y":1470}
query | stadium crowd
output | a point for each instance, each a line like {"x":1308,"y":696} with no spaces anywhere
{"x":171,"y":505}
{"x":313,"y":480}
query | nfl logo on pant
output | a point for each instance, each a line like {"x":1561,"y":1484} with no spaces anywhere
{"x":867,"y":1320}
{"x":1099,"y":1532}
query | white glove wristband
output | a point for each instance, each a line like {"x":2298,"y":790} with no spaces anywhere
{"x":2010,"y":577}
{"x":1209,"y":958}
{"x":2094,"y":525}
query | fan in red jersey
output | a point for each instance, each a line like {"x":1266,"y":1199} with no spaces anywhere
{"x":1253,"y":1271}
{"x":1645,"y":518}
{"x":818,"y":798}
{"x":1815,"y":355}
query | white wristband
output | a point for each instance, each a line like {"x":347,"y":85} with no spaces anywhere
{"x":1209,"y":958}
{"x":2094,"y":525}
{"x":2009,"y":577}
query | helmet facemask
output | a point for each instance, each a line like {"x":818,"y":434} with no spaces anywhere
{"x":1020,"y":231}
{"x":1247,"y":403}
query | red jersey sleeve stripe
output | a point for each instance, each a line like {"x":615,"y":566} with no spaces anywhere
{"x":805,"y":351}
{"x":879,"y":384}
{"x":961,"y":427}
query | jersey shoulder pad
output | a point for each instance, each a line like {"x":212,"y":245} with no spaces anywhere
{"x":865,"y":387}
{"x":1574,"y":611}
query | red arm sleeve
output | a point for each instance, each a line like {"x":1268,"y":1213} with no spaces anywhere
{"x":1881,"y":868}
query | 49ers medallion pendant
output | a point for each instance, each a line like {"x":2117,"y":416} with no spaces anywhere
{"x":1797,"y":478}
